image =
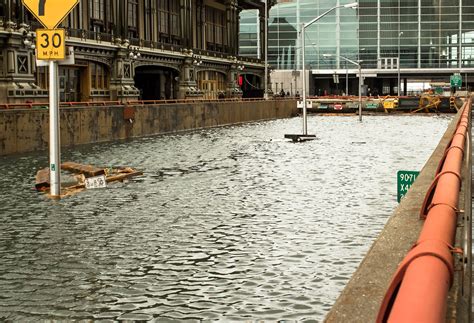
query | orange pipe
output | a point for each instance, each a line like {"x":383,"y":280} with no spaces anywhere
{"x":419,"y":289}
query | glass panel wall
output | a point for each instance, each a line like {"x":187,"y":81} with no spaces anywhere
{"x":249,"y":34}
{"x":468,"y":33}
{"x":334,"y":34}
{"x":419,"y":33}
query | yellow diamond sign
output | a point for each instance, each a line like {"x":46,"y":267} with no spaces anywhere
{"x":50,"y":12}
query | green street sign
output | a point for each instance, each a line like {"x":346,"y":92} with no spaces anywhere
{"x":456,"y":80}
{"x":405,"y":178}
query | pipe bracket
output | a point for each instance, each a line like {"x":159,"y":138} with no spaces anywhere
{"x":427,"y":205}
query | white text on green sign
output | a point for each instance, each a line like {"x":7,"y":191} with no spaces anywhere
{"x":405,"y":179}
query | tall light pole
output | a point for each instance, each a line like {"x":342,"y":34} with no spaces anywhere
{"x":265,"y":94}
{"x":347,"y":80}
{"x":398,"y":63}
{"x":358,"y":64}
{"x":305,"y":135}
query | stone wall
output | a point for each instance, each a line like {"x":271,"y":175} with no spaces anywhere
{"x":28,"y":130}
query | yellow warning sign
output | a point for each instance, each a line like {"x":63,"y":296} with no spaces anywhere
{"x":50,"y":44}
{"x":50,"y":12}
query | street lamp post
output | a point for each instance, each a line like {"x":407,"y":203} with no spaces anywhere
{"x":398,"y":63}
{"x":358,"y":64}
{"x":305,"y":135}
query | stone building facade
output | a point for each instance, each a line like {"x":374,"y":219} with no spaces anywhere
{"x":131,"y":49}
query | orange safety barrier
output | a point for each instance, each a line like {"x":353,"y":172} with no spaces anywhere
{"x":419,"y":289}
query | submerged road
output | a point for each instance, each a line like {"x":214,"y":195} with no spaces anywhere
{"x":230,"y":223}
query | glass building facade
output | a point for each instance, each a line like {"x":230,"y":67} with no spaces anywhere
{"x":434,"y":34}
{"x":249,"y":36}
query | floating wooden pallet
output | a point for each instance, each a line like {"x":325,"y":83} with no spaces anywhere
{"x":87,"y":170}
{"x":111,"y":175}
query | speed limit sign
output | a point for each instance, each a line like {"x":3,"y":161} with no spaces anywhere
{"x":50,"y":44}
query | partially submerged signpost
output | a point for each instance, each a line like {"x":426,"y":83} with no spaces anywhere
{"x":51,"y":47}
{"x":405,"y":179}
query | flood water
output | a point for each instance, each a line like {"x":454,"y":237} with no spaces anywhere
{"x":227,"y":224}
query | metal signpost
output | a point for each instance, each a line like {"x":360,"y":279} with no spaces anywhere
{"x":50,"y":46}
{"x":405,"y":179}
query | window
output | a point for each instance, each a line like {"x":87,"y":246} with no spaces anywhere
{"x":163,"y":19}
{"x":99,"y":77}
{"x":108,"y":11}
{"x":132,"y":13}
{"x":42,"y":76}
{"x":97,"y":9}
{"x":174,"y":18}
{"x":169,"y":19}
{"x":215,"y":28}
{"x":97,"y":15}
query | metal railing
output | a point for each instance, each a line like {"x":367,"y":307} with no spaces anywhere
{"x":45,"y":105}
{"x":419,"y":289}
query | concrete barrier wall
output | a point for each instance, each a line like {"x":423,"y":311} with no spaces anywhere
{"x":361,"y":299}
{"x":28,"y":130}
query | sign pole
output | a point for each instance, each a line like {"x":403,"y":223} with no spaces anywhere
{"x":50,"y":46}
{"x":54,"y":143}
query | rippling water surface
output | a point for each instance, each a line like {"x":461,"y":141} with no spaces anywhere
{"x":230,"y":223}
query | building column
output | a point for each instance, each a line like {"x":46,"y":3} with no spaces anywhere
{"x":460,"y":35}
{"x":185,"y":21}
{"x":228,"y":25}
{"x":261,"y":37}
{"x":122,"y":84}
{"x":18,"y":80}
{"x":9,"y":24}
{"x":419,"y":35}
{"x":123,"y":12}
{"x":187,"y":86}
{"x":233,"y":90}
{"x":378,"y":35}
{"x":117,"y":16}
{"x":200,"y":25}
{"x":237,"y":29}
{"x":234,"y":20}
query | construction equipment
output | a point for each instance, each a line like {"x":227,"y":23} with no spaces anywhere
{"x":428,"y":103}
{"x":389,"y":103}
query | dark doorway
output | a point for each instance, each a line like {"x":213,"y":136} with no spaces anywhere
{"x":70,"y":84}
{"x":156,"y":83}
{"x":250,"y":86}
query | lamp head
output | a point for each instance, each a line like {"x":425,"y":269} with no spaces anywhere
{"x":351,"y":5}
{"x":327,"y":55}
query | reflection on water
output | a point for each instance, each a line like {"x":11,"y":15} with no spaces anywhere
{"x":230,"y":223}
